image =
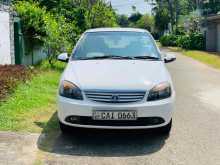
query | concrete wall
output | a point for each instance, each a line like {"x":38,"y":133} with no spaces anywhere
{"x":5,"y":54}
{"x":6,"y":35}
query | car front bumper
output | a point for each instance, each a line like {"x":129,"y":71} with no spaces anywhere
{"x":160,"y":109}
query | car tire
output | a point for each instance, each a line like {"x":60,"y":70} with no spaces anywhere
{"x":165,"y":130}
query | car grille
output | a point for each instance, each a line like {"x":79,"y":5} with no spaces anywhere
{"x":115,"y":96}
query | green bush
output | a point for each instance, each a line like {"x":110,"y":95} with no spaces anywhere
{"x":168,"y":40}
{"x":197,"y":41}
{"x":194,"y":41}
{"x":53,"y":32}
{"x":184,"y":42}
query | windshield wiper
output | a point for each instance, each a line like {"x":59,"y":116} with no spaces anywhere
{"x":146,"y":57}
{"x":118,"y":57}
{"x":106,"y":57}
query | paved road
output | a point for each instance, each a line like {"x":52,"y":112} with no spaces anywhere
{"x":194,"y":140}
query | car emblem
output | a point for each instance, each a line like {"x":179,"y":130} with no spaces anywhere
{"x":115,"y":98}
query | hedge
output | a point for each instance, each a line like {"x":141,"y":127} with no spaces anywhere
{"x":168,"y":40}
{"x":10,"y":76}
{"x":194,"y":41}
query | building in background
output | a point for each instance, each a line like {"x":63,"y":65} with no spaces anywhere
{"x":213,"y":33}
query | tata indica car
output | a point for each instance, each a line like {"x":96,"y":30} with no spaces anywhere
{"x":116,"y":78}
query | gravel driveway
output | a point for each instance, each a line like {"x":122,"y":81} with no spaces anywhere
{"x":195,"y":137}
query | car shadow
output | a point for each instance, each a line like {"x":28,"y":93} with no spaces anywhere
{"x":90,"y":142}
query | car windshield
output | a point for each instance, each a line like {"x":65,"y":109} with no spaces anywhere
{"x":116,"y":45}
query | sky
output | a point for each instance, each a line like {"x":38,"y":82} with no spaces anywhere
{"x":125,"y":6}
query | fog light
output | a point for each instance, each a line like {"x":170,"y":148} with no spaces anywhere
{"x":73,"y":119}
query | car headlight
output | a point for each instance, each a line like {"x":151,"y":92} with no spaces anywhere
{"x":70,"y":90}
{"x":159,"y":92}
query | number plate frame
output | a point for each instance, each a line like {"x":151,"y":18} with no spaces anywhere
{"x":114,"y":115}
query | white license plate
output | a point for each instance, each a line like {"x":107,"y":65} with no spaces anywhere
{"x":115,"y":115}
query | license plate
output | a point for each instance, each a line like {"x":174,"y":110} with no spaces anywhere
{"x":115,"y":115}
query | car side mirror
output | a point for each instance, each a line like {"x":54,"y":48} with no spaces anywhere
{"x":169,"y":58}
{"x":63,"y":57}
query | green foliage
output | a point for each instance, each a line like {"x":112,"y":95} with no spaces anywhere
{"x":57,"y":37}
{"x":211,"y":7}
{"x":197,"y":41}
{"x":167,"y":11}
{"x":162,"y":19}
{"x":101,"y":15}
{"x":85,"y":14}
{"x":123,"y":20}
{"x":135,"y":17}
{"x":193,"y":41}
{"x":180,"y":30}
{"x":59,"y":23}
{"x":38,"y":23}
{"x":169,"y":40}
{"x":137,"y":20}
{"x":32,"y":18}
{"x":184,"y":41}
{"x":146,"y":22}
{"x":194,"y":19}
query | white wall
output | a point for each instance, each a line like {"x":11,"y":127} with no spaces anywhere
{"x":5,"y":57}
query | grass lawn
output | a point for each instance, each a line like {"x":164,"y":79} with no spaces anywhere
{"x":212,"y":59}
{"x":33,"y":104}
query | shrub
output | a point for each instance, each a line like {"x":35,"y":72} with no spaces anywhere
{"x":194,"y":41}
{"x":10,"y":76}
{"x":197,"y":41}
{"x":184,"y":42}
{"x":56,"y":34}
{"x":168,"y":40}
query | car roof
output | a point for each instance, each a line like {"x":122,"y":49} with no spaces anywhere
{"x":116,"y":30}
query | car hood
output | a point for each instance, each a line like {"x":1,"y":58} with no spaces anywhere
{"x":116,"y":74}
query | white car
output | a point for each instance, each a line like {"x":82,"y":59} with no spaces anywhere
{"x":116,"y":78}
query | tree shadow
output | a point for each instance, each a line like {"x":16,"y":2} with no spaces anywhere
{"x":90,"y":142}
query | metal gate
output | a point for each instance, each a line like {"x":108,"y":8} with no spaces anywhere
{"x":18,"y":41}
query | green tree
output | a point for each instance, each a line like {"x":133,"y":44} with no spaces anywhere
{"x":122,"y":20}
{"x":162,"y":20}
{"x":172,"y":10}
{"x":58,"y":23}
{"x":101,"y":15}
{"x":146,"y":22}
{"x":84,"y":13}
{"x":44,"y":26}
{"x":134,"y":17}
{"x":211,"y":7}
